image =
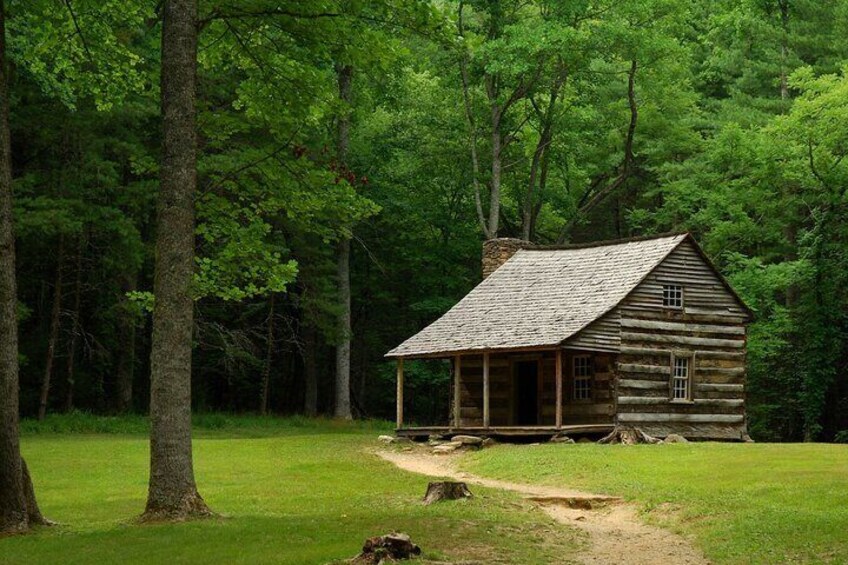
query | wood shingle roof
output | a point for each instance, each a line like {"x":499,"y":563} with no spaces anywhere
{"x":541,"y":297}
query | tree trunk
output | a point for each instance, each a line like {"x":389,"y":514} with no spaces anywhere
{"x":172,"y":492}
{"x":310,"y":400}
{"x":75,"y":313}
{"x":538,"y":165}
{"x":125,"y":369}
{"x":342,"y":404}
{"x":55,"y":322}
{"x":495,"y":188}
{"x":269,"y":353}
{"x":18,"y":508}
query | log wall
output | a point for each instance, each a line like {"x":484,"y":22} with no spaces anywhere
{"x":604,"y":334}
{"x":710,"y":329}
{"x":599,"y":410}
{"x":500,"y":390}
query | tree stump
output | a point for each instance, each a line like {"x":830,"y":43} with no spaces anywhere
{"x":627,"y":435}
{"x":386,"y":549}
{"x":446,"y":490}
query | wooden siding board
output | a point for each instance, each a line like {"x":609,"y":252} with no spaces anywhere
{"x":710,"y":329}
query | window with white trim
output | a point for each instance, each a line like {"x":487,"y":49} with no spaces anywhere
{"x":681,"y":373}
{"x":672,"y":296}
{"x":583,"y":373}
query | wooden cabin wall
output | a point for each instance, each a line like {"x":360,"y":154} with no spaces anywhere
{"x":471,"y":390}
{"x":599,"y":410}
{"x":604,"y":334}
{"x":710,"y":329}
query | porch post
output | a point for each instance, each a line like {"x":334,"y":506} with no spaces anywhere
{"x":559,"y":388}
{"x":485,"y":389}
{"x":400,"y":392}
{"x":457,"y":377}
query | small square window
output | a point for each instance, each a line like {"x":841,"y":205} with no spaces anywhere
{"x":583,"y":372}
{"x":680,"y":378}
{"x":672,"y":296}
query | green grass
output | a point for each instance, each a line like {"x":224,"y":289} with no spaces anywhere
{"x":291,"y":491}
{"x":742,"y":503}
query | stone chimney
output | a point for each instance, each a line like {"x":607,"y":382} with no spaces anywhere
{"x":496,"y":252}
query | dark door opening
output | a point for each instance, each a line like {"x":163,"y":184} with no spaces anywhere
{"x":527,"y":393}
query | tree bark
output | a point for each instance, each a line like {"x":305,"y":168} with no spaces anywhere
{"x":18,"y":507}
{"x":342,"y":404}
{"x":495,"y":188}
{"x":55,"y":322}
{"x":445,"y":490}
{"x":172,"y":492}
{"x":269,"y":353}
{"x":310,"y":400}
{"x":75,"y":314}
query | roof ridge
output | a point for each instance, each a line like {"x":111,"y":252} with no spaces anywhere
{"x":603,"y":243}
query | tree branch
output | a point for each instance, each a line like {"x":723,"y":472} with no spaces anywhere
{"x":79,"y":31}
{"x":475,"y":162}
{"x":625,"y":169}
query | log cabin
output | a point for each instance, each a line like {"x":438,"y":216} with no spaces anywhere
{"x":642,"y":332}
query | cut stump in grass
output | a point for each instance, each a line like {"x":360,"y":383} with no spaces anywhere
{"x":627,"y":435}
{"x":386,"y":549}
{"x":446,"y":490}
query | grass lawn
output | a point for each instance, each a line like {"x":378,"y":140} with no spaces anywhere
{"x":742,"y":503}
{"x":292,"y":491}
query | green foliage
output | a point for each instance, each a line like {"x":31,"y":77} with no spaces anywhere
{"x":740,"y":139}
{"x":82,"y":50}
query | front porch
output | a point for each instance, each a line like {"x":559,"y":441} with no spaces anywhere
{"x":523,"y":393}
{"x":422,"y":432}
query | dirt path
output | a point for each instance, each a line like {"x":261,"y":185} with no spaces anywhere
{"x":616,"y":533}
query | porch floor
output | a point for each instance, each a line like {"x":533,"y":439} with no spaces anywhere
{"x":503,"y":431}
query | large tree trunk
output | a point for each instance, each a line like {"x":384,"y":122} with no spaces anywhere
{"x":125,"y":369}
{"x":310,"y":399}
{"x":342,"y":404}
{"x":269,"y":353}
{"x":72,"y":343}
{"x":172,"y":492}
{"x":18,"y":508}
{"x":55,"y":322}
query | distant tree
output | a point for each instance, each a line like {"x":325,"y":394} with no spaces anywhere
{"x":342,"y":405}
{"x":172,"y":491}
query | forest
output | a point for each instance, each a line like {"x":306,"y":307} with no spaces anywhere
{"x":351,"y":158}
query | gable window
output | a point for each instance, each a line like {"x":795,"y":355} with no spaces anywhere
{"x":672,"y":296}
{"x":681,"y":378}
{"x":583,"y":372}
